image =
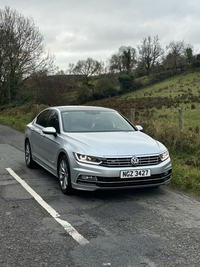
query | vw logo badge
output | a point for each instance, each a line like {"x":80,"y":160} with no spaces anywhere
{"x":134,"y":161}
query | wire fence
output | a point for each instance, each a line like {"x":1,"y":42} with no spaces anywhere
{"x":179,"y":117}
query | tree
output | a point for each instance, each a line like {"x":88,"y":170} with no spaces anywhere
{"x":71,"y":68}
{"x":196,"y":63}
{"x":86,"y":68}
{"x":22,"y":52}
{"x":190,"y":58}
{"x":105,"y":87}
{"x":176,"y":55}
{"x":126,"y":81}
{"x":84,"y":94}
{"x":150,"y":52}
{"x":124,"y":61}
{"x":52,"y":90}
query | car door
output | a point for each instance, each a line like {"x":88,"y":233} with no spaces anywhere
{"x":50,"y":143}
{"x":37,"y":134}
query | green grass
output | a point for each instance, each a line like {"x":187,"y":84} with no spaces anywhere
{"x":17,"y":122}
{"x":185,"y":177}
{"x":172,"y":87}
{"x":19,"y":117}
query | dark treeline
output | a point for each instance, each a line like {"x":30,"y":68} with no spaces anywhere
{"x":28,"y":73}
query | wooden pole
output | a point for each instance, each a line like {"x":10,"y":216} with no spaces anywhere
{"x":181,"y":118}
{"x":133,"y":115}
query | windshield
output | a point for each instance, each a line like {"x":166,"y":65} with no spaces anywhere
{"x":94,"y":121}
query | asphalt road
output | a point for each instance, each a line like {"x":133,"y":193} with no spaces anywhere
{"x":131,"y":228}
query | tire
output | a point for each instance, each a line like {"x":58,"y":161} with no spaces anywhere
{"x":64,"y":176}
{"x":30,"y":163}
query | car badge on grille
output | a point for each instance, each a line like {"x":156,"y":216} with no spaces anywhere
{"x":134,"y":161}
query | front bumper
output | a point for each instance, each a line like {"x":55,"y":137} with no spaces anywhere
{"x":102,"y":178}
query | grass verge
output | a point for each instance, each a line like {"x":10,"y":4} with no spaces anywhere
{"x":185,"y":178}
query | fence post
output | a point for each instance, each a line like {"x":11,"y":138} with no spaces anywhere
{"x":133,"y":115}
{"x":181,"y":118}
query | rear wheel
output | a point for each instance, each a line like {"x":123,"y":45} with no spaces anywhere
{"x":30,"y":163}
{"x":64,"y":176}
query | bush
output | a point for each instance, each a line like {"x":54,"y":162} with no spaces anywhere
{"x":177,"y":141}
{"x":84,"y":94}
{"x":28,"y":96}
{"x":126,"y":81}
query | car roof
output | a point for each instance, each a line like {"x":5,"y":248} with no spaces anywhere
{"x":79,"y":108}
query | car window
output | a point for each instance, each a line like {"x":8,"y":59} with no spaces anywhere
{"x":90,"y":121}
{"x":74,"y":121}
{"x":42,"y":118}
{"x":53,"y":121}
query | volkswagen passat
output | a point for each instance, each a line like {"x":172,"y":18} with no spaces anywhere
{"x":95,"y":148}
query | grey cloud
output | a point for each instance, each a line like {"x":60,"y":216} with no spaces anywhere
{"x":77,"y":29}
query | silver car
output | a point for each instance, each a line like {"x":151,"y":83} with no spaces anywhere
{"x":94,"y":148}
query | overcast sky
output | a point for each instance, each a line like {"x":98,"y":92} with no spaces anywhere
{"x":77,"y":29}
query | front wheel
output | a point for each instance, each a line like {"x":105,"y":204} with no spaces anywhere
{"x":64,"y":176}
{"x":28,"y":155}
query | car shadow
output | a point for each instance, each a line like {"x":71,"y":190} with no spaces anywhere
{"x":121,"y":193}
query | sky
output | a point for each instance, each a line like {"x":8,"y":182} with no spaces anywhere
{"x":75,"y":30}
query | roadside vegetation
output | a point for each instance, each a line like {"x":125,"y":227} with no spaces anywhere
{"x":155,"y":87}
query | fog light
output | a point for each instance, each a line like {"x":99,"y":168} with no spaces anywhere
{"x":88,"y":177}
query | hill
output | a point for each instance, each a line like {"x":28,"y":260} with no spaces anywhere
{"x":161,"y":100}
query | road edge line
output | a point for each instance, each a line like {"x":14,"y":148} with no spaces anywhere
{"x":67,"y":226}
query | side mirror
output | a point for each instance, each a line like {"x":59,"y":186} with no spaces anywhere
{"x":139,"y":127}
{"x":50,"y":130}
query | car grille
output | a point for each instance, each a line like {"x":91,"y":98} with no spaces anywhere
{"x":126,"y":162}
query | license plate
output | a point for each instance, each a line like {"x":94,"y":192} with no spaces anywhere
{"x":135,"y":173}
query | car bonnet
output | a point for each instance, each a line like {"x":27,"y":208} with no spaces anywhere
{"x":114,"y":143}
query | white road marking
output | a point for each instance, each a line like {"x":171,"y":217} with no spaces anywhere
{"x":67,"y":226}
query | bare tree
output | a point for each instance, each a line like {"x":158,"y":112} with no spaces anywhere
{"x":176,"y":53}
{"x":53,"y":89}
{"x":124,"y":61}
{"x":87,"y":68}
{"x":70,"y":70}
{"x":150,"y":52}
{"x":22,"y":52}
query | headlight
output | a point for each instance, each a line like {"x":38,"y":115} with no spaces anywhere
{"x":164,"y":155}
{"x":87,"y":159}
